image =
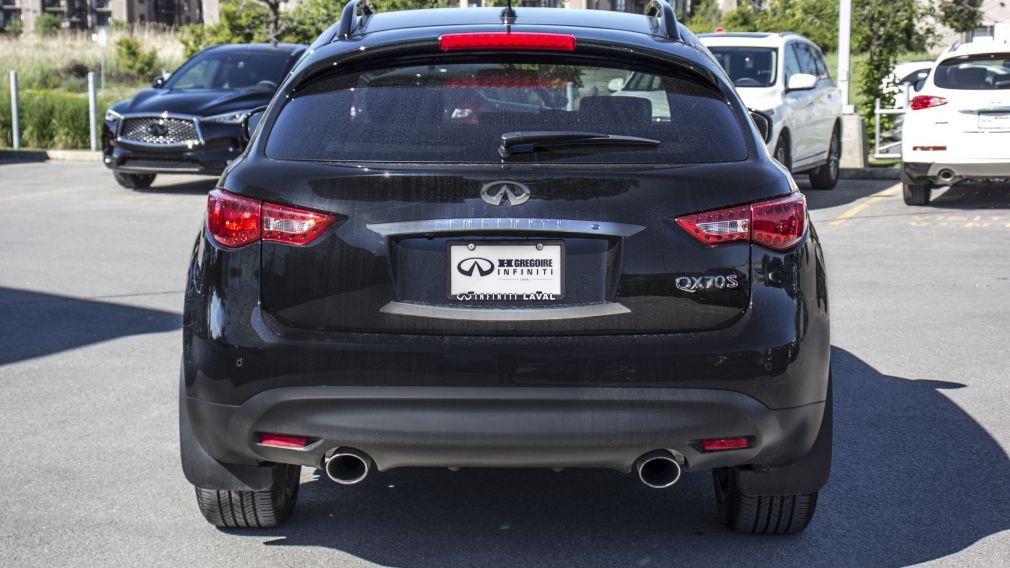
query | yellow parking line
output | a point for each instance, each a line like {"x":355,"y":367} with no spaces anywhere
{"x":854,"y":210}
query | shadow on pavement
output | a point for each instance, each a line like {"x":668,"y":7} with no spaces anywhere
{"x":915,"y":479}
{"x":973,"y":196}
{"x":164,"y":186}
{"x":36,"y":324}
{"x":847,"y":191}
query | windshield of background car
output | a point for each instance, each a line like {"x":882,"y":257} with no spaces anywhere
{"x":974,"y":72}
{"x":748,"y":66}
{"x":231,"y":70}
{"x":457,"y":113}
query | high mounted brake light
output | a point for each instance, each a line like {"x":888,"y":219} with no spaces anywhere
{"x":507,"y":41}
{"x":777,"y":224}
{"x":235,"y":221}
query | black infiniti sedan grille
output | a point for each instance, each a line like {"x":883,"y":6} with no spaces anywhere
{"x":157,"y":130}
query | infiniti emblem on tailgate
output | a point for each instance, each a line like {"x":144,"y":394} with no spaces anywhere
{"x":493,"y":193}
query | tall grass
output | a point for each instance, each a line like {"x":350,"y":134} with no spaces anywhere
{"x":45,"y":62}
{"x":50,"y":119}
{"x":52,"y":81}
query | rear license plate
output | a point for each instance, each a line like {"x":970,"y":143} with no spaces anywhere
{"x":994,"y":120}
{"x":494,"y":271}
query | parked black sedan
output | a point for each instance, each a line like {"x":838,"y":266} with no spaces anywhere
{"x":192,"y":122}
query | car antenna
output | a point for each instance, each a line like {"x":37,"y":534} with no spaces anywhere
{"x":508,"y":15}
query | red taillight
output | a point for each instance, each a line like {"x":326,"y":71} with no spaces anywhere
{"x":722,"y":444}
{"x":282,"y":441}
{"x":507,"y":40}
{"x":236,"y":221}
{"x":777,"y":224}
{"x":290,"y":225}
{"x":233,"y":220}
{"x":920,"y":102}
{"x":714,"y":227}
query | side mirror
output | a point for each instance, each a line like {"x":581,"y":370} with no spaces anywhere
{"x":615,"y":84}
{"x":158,"y":81}
{"x":801,"y":82}
{"x":250,"y":122}
{"x":763,"y":122}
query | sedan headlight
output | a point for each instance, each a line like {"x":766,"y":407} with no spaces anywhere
{"x":227,"y":118}
{"x":112,"y":115}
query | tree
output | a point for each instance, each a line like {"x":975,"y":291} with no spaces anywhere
{"x":961,"y":15}
{"x":274,"y":24}
{"x":704,"y":16}
{"x":883,"y":29}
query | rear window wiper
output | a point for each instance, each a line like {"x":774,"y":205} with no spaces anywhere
{"x":531,"y":141}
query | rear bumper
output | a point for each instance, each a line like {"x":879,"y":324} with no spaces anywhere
{"x":504,"y":427}
{"x":941,"y":173}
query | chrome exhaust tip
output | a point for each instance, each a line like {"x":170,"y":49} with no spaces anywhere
{"x":946,"y":175}
{"x":347,"y":466}
{"x":658,"y":469}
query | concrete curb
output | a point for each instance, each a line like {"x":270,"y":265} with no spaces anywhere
{"x":870,"y":173}
{"x":50,"y":155}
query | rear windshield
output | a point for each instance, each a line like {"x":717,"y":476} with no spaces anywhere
{"x":458,"y":112}
{"x":748,"y":66}
{"x":974,"y":72}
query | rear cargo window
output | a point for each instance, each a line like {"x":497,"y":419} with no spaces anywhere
{"x":458,"y":112}
{"x":974,"y":72}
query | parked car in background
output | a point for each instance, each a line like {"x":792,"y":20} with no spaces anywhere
{"x":191,"y":122}
{"x":784,"y":76}
{"x":903,"y":80}
{"x":447,"y":246}
{"x":957,"y":127}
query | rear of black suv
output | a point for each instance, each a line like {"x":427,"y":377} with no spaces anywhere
{"x":450,"y":245}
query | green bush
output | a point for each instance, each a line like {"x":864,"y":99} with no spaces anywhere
{"x":49,"y":120}
{"x":14,"y":28}
{"x":134,"y":60}
{"x":6,"y":139}
{"x":47,"y":24}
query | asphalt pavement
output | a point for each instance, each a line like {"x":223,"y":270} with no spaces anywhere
{"x":91,"y":281}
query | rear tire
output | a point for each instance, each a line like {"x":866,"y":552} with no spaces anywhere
{"x":783,"y":153}
{"x":134,"y":181}
{"x":761,"y":514}
{"x":826,"y":176}
{"x":779,"y":511}
{"x":915,"y":194}
{"x":251,"y":509}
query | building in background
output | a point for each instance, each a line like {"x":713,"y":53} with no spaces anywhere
{"x":86,"y":14}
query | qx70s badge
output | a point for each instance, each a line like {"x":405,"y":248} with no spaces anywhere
{"x":692,"y":284}
{"x":493,"y":193}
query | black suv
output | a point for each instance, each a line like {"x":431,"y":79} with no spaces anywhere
{"x":191,"y":123}
{"x":449,"y":244}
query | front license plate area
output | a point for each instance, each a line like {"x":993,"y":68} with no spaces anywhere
{"x":506,"y":271}
{"x":994,"y":121}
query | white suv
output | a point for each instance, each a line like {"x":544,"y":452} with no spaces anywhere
{"x":784,"y":76}
{"x":957,"y":127}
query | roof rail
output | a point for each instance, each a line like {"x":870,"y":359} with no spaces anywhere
{"x":664,"y":11}
{"x":349,"y":20}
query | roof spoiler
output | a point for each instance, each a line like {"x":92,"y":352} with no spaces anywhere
{"x":349,"y":20}
{"x":663,"y":11}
